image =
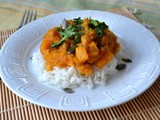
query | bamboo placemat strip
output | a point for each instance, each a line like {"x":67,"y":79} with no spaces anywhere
{"x":4,"y":35}
{"x":38,"y":112}
{"x":144,"y":107}
{"x":124,"y":12}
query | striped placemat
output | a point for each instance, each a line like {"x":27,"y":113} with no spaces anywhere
{"x":144,"y":107}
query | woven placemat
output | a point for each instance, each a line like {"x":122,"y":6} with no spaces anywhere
{"x":144,"y":107}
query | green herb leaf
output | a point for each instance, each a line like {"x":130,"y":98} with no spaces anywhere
{"x":69,"y":31}
{"x":59,"y":43}
{"x":94,"y":22}
{"x":60,"y":29}
{"x":103,"y":25}
{"x":99,"y":27}
{"x":99,"y":31}
{"x":77,"y":21}
{"x":90,"y":25}
{"x":71,"y":49}
{"x":79,"y":27}
{"x":77,"y":40}
{"x":78,"y":34}
{"x":65,"y":34}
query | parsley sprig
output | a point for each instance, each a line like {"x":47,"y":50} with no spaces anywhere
{"x":65,"y":34}
{"x":77,"y":21}
{"x":99,"y":27}
{"x":69,"y":32}
{"x":75,"y":31}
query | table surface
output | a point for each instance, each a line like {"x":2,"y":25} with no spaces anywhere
{"x":144,"y":107}
{"x":148,"y":11}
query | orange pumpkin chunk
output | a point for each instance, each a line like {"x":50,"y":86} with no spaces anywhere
{"x":81,"y":54}
{"x":105,"y":58}
{"x":85,"y":69}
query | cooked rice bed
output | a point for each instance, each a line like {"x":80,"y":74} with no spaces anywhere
{"x":69,"y":77}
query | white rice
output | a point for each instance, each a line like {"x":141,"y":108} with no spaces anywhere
{"x":69,"y":77}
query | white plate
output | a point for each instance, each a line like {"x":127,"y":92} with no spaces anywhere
{"x":140,"y":45}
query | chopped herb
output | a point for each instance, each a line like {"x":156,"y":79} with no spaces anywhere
{"x":79,"y":27}
{"x":60,"y":29}
{"x":94,"y":22}
{"x":77,"y":21}
{"x":120,"y":66}
{"x":90,"y":25}
{"x":72,"y":49}
{"x":68,"y":32}
{"x":126,"y":60}
{"x":77,"y":39}
{"x":78,"y":33}
{"x":65,"y":34}
{"x":74,"y":30}
{"x":99,"y":31}
{"x":99,"y":27}
{"x":68,"y":90}
{"x":103,"y":25}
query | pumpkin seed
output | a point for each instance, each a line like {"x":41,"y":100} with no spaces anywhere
{"x":120,"y":66}
{"x":64,"y":24}
{"x":126,"y":60}
{"x":68,"y":90}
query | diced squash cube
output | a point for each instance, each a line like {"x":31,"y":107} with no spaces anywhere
{"x":117,"y":47}
{"x":81,"y":54}
{"x":48,"y":40}
{"x":93,"y":52}
{"x":70,"y":60}
{"x":85,"y":41}
{"x":105,"y":58}
{"x":85,"y":69}
{"x":76,"y":60}
{"x":93,"y":47}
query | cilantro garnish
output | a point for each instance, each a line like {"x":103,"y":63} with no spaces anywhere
{"x":99,"y":27}
{"x":75,"y":31}
{"x":94,"y":22}
{"x":79,"y":27}
{"x":65,"y":34}
{"x":77,"y":21}
{"x":69,"y":32}
{"x":72,"y":49}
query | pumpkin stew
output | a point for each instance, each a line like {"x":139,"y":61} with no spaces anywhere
{"x":83,"y":44}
